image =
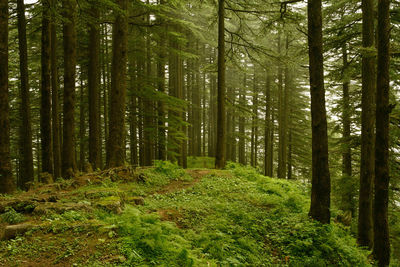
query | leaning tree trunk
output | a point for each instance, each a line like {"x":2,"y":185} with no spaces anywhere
{"x":220,"y":156}
{"x":45,"y":93}
{"x":381,"y":227}
{"x":321,"y":184}
{"x":27,"y":174}
{"x":6,"y":180}
{"x":116,"y":138}
{"x":69,"y":33}
{"x":365,"y":225}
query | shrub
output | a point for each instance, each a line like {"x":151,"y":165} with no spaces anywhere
{"x":12,"y":217}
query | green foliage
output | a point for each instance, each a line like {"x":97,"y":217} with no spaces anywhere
{"x":12,"y":217}
{"x":168,"y":169}
{"x":239,"y":217}
{"x":148,"y":241}
{"x":69,"y":216}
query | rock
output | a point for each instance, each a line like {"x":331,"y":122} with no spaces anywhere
{"x":23,"y":206}
{"x":112,"y":204}
{"x":98,"y":194}
{"x":11,"y":231}
{"x":135,"y":200}
{"x":50,"y":207}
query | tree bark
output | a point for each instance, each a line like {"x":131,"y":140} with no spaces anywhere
{"x":321,"y":184}
{"x":220,"y":156}
{"x":162,"y":153}
{"x":7,"y":184}
{"x":347,"y":192}
{"x":94,"y":84}
{"x":148,"y":126}
{"x":242,"y":124}
{"x":267,"y":133}
{"x":254,"y":122}
{"x":45,"y":92}
{"x":281,"y":119}
{"x":69,"y":32}
{"x":116,"y":140}
{"x":381,"y":225}
{"x":367,"y":165}
{"x":82,"y":127}
{"x":133,"y":112}
{"x":26,"y":174}
{"x":55,"y":96}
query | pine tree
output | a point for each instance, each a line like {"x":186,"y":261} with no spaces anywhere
{"x":321,"y":184}
{"x":365,"y":231}
{"x":94,"y":87}
{"x":7,"y":184}
{"x":69,"y":34}
{"x":25,"y":144}
{"x":220,"y":157}
{"x":116,"y":138}
{"x":381,"y":200}
{"x":45,"y":92}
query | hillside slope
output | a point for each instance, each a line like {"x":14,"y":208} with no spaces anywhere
{"x":165,"y":216}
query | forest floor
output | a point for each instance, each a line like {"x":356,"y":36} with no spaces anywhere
{"x":166,"y":216}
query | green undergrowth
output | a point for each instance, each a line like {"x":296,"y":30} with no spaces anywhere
{"x":233,"y":217}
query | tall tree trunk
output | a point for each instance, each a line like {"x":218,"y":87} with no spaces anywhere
{"x":285,"y":110}
{"x":204,"y":118}
{"x":148,"y":127}
{"x":321,"y":184}
{"x":197,"y":108}
{"x":69,"y":32}
{"x":281,"y":119}
{"x":133,"y":111}
{"x":381,"y":226}
{"x":220,"y":157}
{"x":290,"y":148}
{"x":367,"y":166}
{"x":267,"y":134}
{"x":242,"y":124}
{"x":183,"y":95}
{"x":116,"y":140}
{"x":141,"y":78}
{"x":254,"y":128}
{"x":347,"y":204}
{"x":82,"y":127}
{"x":162,"y":153}
{"x":106,"y":80}
{"x":45,"y":92}
{"x":55,"y":95}
{"x":271,"y":143}
{"x":26,"y":174}
{"x":7,"y":184}
{"x":94,"y":84}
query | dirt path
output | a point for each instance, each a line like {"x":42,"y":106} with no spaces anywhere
{"x":179,"y":185}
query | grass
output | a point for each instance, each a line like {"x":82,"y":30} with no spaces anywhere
{"x":234,"y":217}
